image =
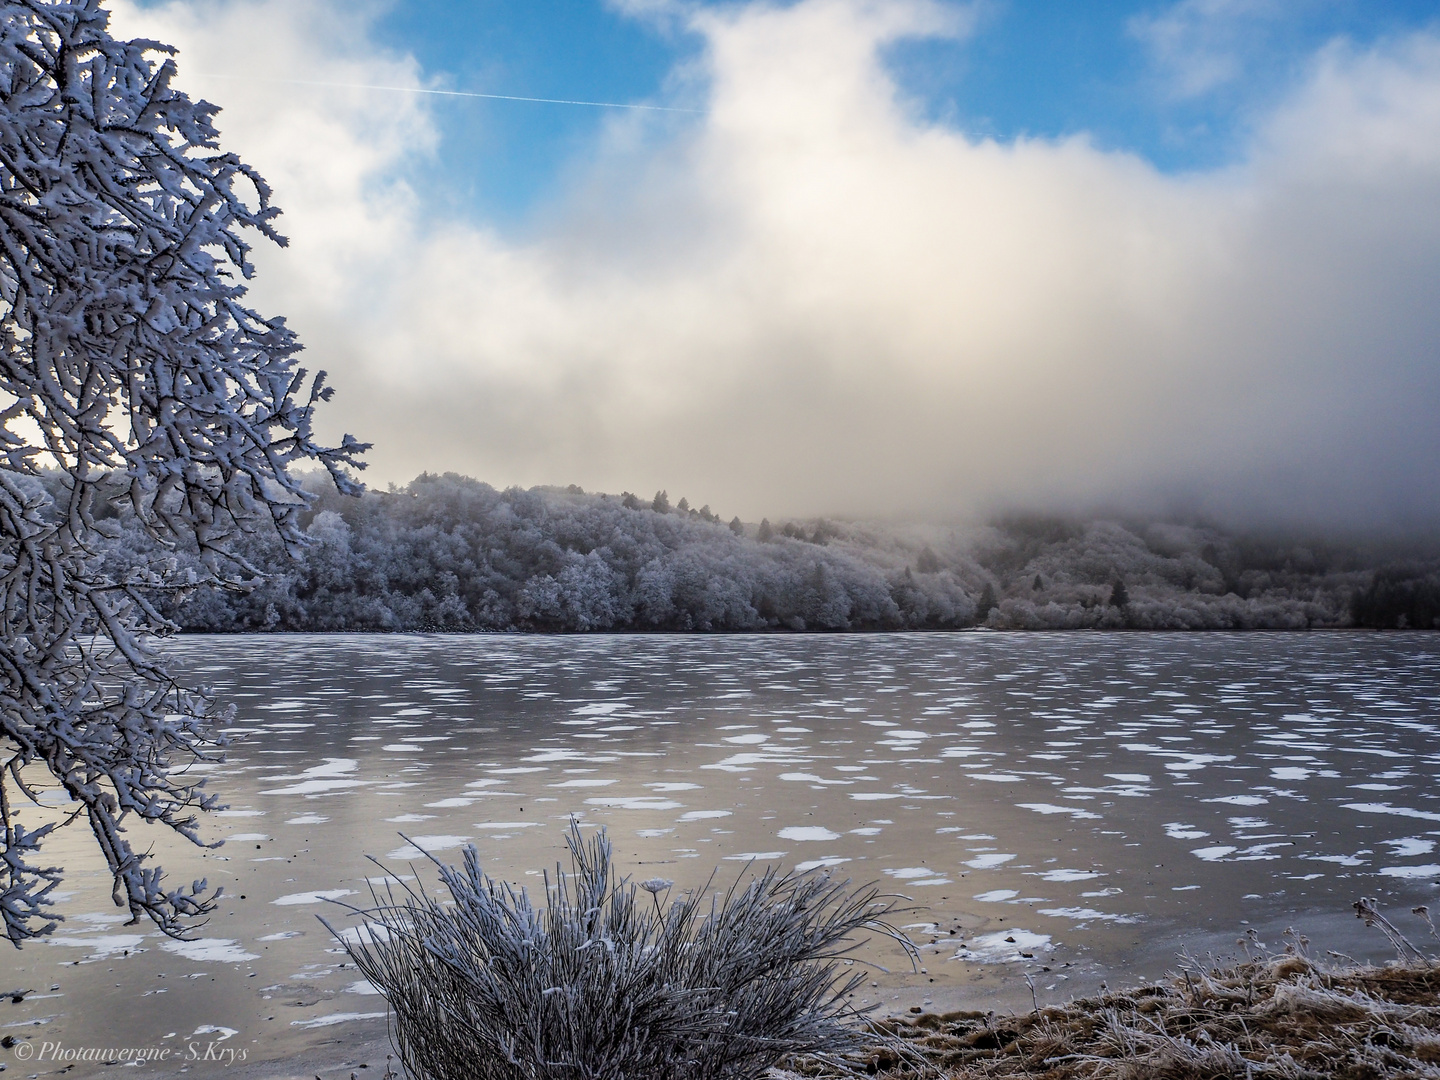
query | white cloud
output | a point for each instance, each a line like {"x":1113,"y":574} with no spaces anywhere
{"x":1201,"y":45}
{"x":808,"y":299}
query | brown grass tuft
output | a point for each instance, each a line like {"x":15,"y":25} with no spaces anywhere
{"x":1286,"y":1016}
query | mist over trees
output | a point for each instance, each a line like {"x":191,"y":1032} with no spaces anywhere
{"x":451,"y":553}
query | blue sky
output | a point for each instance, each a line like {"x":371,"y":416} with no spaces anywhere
{"x":1039,"y":68}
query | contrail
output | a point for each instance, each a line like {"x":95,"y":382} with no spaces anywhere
{"x":447,"y":93}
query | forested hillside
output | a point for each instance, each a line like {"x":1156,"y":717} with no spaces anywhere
{"x":451,"y":553}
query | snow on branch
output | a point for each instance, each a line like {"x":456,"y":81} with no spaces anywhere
{"x":131,"y":372}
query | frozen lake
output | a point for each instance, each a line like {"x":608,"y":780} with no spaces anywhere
{"x":1073,"y":806}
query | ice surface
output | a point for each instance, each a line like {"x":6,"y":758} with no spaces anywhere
{"x":1066,"y":760}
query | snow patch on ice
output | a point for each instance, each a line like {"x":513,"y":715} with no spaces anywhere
{"x":636,"y":802}
{"x":1002,"y":947}
{"x":336,"y":1018}
{"x":318,"y":897}
{"x":807,"y":832}
{"x":209,"y":950}
{"x":986,"y":862}
{"x":420,"y":845}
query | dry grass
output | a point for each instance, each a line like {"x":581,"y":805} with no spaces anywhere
{"x":1289,"y":1016}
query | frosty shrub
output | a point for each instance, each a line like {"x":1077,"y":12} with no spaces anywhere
{"x":139,"y":397}
{"x":604,"y":982}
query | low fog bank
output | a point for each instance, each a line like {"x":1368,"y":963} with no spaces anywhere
{"x":452,"y":553}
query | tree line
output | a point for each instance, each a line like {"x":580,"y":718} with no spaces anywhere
{"x":449,"y":553}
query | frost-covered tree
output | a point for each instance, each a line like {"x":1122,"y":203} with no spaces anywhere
{"x":135,"y":387}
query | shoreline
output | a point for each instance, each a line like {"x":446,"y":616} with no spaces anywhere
{"x":1289,"y":1015}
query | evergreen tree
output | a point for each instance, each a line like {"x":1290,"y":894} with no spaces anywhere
{"x":986,"y":604}
{"x":1119,"y":595}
